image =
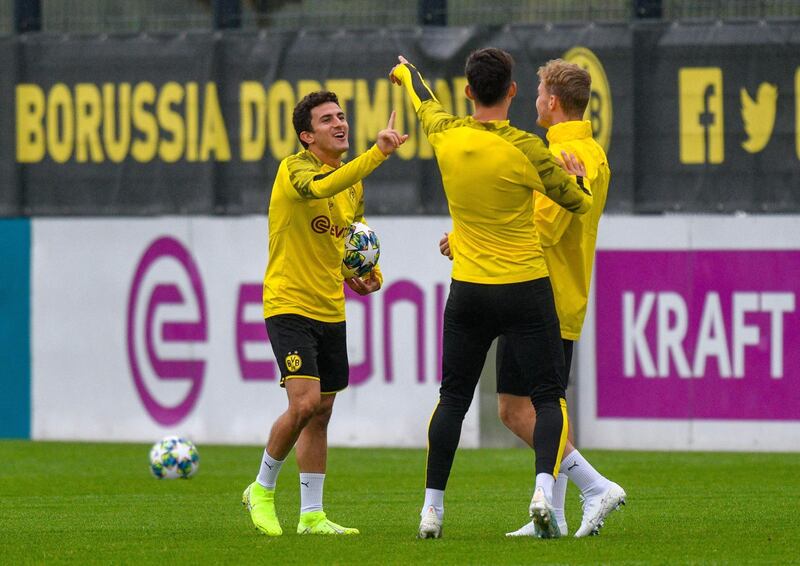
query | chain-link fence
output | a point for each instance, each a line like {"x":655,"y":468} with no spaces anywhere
{"x":730,"y":9}
{"x":113,"y":16}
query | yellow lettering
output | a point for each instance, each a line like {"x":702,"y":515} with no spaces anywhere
{"x":344,"y":91}
{"x":117,"y":141}
{"x":282,"y":137}
{"x":192,"y":113}
{"x":60,"y":112}
{"x":797,"y":111}
{"x":253,"y":124}
{"x":87,"y":123}
{"x":371,"y":116}
{"x":307,"y":87}
{"x":30,"y":129}
{"x":214,"y":137}
{"x":442,"y":91}
{"x":462,"y":105}
{"x":143,"y":150}
{"x":170,"y":150}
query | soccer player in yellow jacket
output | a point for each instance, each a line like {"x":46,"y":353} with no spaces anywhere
{"x":568,"y":242}
{"x":500,"y":283}
{"x":315,"y":199}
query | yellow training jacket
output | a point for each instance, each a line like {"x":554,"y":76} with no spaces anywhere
{"x":310,"y":211}
{"x":489,"y":172}
{"x":568,"y":240}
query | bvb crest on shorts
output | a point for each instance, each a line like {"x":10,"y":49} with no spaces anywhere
{"x":293,"y":362}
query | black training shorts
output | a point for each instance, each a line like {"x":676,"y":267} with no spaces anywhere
{"x":525,"y":314}
{"x":310,"y":349}
{"x":509,"y":374}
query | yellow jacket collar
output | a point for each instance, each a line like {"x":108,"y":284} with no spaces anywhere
{"x":567,"y":131}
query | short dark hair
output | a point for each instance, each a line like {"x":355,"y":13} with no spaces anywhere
{"x":301,"y":117}
{"x":488,"y":72}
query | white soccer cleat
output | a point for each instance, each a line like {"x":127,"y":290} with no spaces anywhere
{"x":529,"y":530}
{"x":544,"y":519}
{"x":431,"y":525}
{"x":596,"y":508}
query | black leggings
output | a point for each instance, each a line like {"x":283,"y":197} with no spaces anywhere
{"x":475,"y":315}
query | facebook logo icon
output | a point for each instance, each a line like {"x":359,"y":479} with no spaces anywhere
{"x":701,"y":120}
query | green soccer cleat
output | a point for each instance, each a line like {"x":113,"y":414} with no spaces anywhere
{"x":316,"y":523}
{"x":260,"y":501}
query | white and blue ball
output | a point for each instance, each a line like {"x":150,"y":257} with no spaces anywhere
{"x":362,"y":249}
{"x":174,"y":457}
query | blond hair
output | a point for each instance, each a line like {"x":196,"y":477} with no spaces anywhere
{"x":570,"y":83}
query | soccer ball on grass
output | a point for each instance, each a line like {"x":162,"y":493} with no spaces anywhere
{"x":174,"y":457}
{"x":361,"y":250}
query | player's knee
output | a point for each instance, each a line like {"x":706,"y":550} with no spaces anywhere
{"x":303,"y":409}
{"x":517,"y":418}
{"x":507,"y":416}
{"x":454,"y":403}
{"x":323,"y":414}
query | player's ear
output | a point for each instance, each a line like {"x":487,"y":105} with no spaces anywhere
{"x":307,"y":137}
{"x":468,"y":92}
{"x":512,"y":89}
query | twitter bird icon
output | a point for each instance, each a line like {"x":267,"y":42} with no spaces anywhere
{"x":759,"y":116}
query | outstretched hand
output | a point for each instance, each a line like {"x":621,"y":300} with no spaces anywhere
{"x":390,"y":139}
{"x":571,"y":164}
{"x":392,"y":77}
{"x":365,"y":285}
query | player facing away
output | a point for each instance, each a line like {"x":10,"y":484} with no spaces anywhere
{"x":315,"y":198}
{"x":500,"y":284}
{"x":568,"y":242}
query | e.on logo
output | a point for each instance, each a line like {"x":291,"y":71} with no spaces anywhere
{"x":166,"y":312}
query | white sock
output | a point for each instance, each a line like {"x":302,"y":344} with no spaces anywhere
{"x":545,"y":481}
{"x":434,"y":498}
{"x":268,"y":473}
{"x":311,"y":492}
{"x":559,"y":496}
{"x":580,"y":471}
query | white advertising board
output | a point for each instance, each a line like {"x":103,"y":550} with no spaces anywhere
{"x":143,"y":327}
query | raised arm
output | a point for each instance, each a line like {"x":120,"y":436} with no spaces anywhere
{"x":433,"y":117}
{"x":311,"y":184}
{"x":405,"y":74}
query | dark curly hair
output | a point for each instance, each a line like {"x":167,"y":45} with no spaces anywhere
{"x":301,"y":117}
{"x":488,"y":72}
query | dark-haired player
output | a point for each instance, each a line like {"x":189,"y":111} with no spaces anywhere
{"x":500,"y":283}
{"x":568,"y":242}
{"x":315,"y":199}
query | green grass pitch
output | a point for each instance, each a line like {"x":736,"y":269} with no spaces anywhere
{"x":97,"y":504}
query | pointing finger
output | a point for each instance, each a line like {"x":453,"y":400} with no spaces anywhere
{"x":390,"y":125}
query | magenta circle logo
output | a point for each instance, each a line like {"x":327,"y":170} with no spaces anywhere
{"x":152,"y":328}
